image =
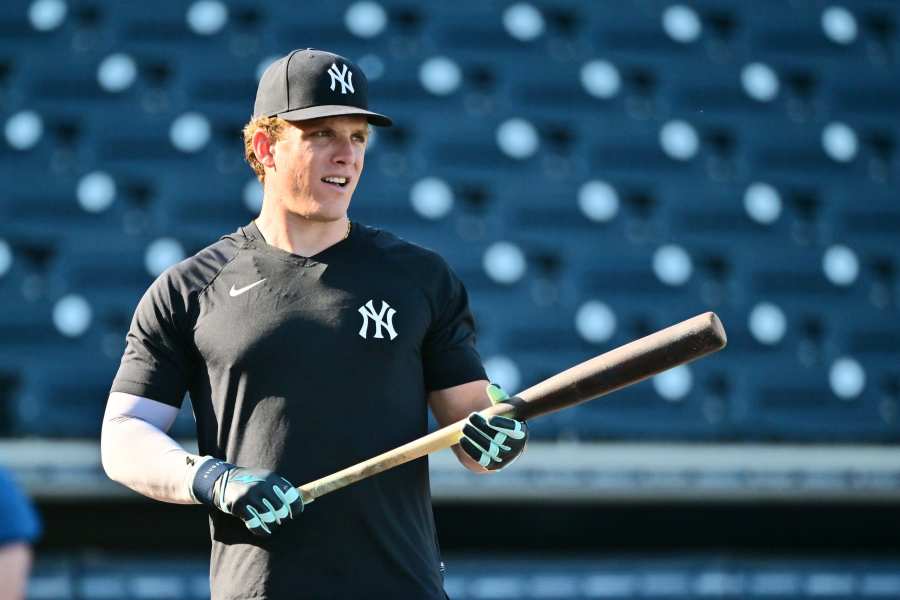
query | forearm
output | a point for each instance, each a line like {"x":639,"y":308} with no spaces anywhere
{"x":142,"y":457}
{"x":454,"y":404}
{"x":15,"y":562}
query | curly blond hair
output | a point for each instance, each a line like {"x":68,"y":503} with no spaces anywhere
{"x":273,"y":127}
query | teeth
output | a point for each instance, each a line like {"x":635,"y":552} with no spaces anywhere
{"x":337,"y":180}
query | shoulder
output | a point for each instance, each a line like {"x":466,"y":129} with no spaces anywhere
{"x":423,"y":262}
{"x":18,"y":520}
{"x":8,"y":489}
{"x":423,"y":268}
{"x":195,"y":273}
{"x":177,"y":289}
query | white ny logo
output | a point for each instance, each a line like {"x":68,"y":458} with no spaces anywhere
{"x":339,"y":76}
{"x":368,"y":311}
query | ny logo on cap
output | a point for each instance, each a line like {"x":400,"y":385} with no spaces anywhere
{"x":344,"y":77}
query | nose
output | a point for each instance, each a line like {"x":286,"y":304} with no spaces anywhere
{"x":344,"y":152}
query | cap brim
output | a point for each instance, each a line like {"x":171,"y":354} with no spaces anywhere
{"x":334,"y":110}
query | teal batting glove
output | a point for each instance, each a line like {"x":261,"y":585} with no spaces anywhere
{"x":495,"y":443}
{"x":263,"y":500}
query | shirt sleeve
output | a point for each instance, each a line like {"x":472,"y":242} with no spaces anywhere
{"x":448,"y":352}
{"x":158,"y":356}
{"x":18,"y":520}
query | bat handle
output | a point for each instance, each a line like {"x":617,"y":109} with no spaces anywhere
{"x":437,"y":440}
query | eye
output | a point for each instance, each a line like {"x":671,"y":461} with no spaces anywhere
{"x":322,"y":133}
{"x":359,"y":138}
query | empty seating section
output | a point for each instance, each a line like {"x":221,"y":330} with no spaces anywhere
{"x":505,"y":578}
{"x":592,"y":171}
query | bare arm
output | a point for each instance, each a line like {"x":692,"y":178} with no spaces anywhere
{"x":137,"y":452}
{"x":452,"y":404}
{"x":15,"y":562}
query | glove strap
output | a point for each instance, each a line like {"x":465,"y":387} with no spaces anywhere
{"x":206,"y":477}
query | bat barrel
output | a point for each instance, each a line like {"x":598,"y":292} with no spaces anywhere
{"x":676,"y":345}
{"x":670,"y":347}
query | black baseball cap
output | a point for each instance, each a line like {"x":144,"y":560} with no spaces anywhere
{"x":308,"y":84}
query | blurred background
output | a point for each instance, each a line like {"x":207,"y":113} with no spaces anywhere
{"x":593,"y":171}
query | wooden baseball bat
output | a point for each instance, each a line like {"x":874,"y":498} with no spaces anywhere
{"x":676,"y":345}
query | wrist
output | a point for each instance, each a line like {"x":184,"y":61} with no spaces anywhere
{"x":208,"y":471}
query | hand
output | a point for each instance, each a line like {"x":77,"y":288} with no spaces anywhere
{"x":262,"y":499}
{"x":494,"y":443}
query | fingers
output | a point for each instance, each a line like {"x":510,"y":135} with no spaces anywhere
{"x":256,"y":523}
{"x":289,"y":498}
{"x":263,"y":523}
{"x":477,"y":453}
{"x":511,"y":428}
{"x":271,"y":504}
{"x":493,"y":444}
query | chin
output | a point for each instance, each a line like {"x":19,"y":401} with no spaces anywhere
{"x":323,"y":214}
{"x":330,"y":211}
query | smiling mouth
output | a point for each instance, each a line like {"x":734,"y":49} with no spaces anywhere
{"x":336,"y":181}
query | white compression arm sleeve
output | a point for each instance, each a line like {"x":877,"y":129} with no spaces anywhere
{"x":137,"y":452}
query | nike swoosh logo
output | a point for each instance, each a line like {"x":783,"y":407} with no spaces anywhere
{"x":237,"y":292}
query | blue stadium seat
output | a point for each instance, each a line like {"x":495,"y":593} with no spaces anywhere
{"x":697,"y":204}
{"x":65,"y":401}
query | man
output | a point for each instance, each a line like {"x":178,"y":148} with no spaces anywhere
{"x":19,"y":528}
{"x":308,"y":343}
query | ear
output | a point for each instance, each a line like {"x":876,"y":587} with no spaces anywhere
{"x":264,"y":149}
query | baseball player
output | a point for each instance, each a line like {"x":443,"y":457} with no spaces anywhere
{"x":308,"y":343}
{"x":19,"y":528}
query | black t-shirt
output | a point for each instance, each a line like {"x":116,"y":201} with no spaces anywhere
{"x":306,"y":366}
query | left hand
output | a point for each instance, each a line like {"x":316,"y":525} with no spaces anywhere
{"x":493,"y":443}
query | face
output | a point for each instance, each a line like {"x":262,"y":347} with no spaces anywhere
{"x":317,"y":164}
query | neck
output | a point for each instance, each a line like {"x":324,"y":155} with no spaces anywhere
{"x":300,"y":236}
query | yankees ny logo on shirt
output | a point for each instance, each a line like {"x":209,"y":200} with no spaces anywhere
{"x":344,"y":77}
{"x":367,"y":311}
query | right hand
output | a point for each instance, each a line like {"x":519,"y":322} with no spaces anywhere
{"x":264,"y":500}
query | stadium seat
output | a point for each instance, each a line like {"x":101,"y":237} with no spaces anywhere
{"x":684,"y":194}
